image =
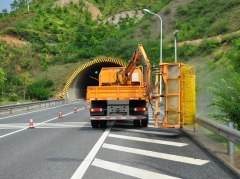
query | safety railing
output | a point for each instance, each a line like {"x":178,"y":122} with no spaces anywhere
{"x":233,"y":136}
{"x":27,"y":105}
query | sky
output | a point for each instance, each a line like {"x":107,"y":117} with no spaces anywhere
{"x":5,"y":4}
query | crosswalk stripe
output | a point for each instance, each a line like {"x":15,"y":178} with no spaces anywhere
{"x":177,"y":144}
{"x":156,"y":154}
{"x":130,"y":171}
{"x":146,"y":132}
{"x":129,"y":124}
{"x":91,"y":155}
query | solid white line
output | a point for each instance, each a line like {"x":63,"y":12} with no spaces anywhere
{"x":177,"y":144}
{"x":38,"y":111}
{"x":46,"y":125}
{"x":89,"y":158}
{"x":12,"y":133}
{"x":146,"y":132}
{"x":131,"y":171}
{"x":156,"y":154}
{"x":34,"y":125}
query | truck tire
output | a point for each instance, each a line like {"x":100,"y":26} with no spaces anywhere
{"x":94,"y":123}
{"x":136,"y":123}
{"x":103,"y":123}
{"x":144,"y":123}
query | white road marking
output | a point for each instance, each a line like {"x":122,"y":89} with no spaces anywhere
{"x":130,"y":171}
{"x":156,"y":154}
{"x":146,"y":132}
{"x":46,"y":125}
{"x":130,"y":124}
{"x":35,"y":125}
{"x":177,"y":144}
{"x":38,"y":111}
{"x":89,"y":158}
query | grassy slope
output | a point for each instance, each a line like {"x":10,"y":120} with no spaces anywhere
{"x":169,"y":20}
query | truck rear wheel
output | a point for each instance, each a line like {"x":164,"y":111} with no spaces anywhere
{"x":94,"y":123}
{"x":103,"y":123}
{"x":136,"y":123}
{"x":144,"y":123}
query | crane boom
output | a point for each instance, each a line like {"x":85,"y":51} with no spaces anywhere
{"x":126,"y":73}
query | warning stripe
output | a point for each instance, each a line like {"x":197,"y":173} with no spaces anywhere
{"x":117,"y":117}
{"x":98,"y":60}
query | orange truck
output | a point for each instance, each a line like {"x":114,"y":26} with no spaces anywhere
{"x":123,"y":93}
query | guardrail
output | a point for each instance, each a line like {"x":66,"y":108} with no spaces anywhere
{"x":27,"y":105}
{"x":233,"y":136}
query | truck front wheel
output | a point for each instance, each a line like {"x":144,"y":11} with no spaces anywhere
{"x":94,"y":123}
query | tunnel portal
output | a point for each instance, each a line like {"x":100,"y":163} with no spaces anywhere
{"x":76,"y":85}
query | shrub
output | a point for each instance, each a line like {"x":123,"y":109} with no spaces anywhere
{"x":25,"y":62}
{"x":13,"y":97}
{"x":225,"y":106}
{"x":167,"y":11}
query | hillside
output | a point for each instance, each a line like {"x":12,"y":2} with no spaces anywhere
{"x":54,"y":38}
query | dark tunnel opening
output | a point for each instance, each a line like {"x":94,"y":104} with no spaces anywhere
{"x":78,"y":87}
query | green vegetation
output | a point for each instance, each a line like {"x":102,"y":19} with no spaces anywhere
{"x":58,"y":35}
{"x":226,"y":103}
{"x":203,"y":19}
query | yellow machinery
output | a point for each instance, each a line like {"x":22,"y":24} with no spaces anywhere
{"x":125,"y":93}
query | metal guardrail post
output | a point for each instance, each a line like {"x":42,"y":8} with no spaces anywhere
{"x":222,"y":130}
{"x":27,"y":105}
{"x":230,"y":144}
{"x":195,"y":124}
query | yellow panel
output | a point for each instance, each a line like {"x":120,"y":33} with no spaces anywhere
{"x":188,"y":95}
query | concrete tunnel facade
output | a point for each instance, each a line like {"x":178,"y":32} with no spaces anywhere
{"x":76,"y":86}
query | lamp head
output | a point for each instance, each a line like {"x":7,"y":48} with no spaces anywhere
{"x":175,"y":32}
{"x":146,"y":10}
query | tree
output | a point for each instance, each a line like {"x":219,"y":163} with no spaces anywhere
{"x":225,"y":106}
{"x":14,"y":5}
{"x":25,"y":80}
{"x":4,"y":11}
{"x":2,"y":78}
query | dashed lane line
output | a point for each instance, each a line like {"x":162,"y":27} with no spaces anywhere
{"x":177,"y":144}
{"x":130,"y":171}
{"x":156,"y":154}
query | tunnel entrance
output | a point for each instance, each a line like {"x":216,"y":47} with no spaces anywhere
{"x":85,"y":76}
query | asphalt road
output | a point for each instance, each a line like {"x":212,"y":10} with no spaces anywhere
{"x":69,"y":148}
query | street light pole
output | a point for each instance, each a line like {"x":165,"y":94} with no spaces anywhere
{"x":160,"y":79}
{"x":175,"y":44}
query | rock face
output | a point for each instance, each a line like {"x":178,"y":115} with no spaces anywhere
{"x":96,"y":13}
{"x":116,"y":18}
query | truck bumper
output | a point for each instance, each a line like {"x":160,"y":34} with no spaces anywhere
{"x":118,"y":117}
